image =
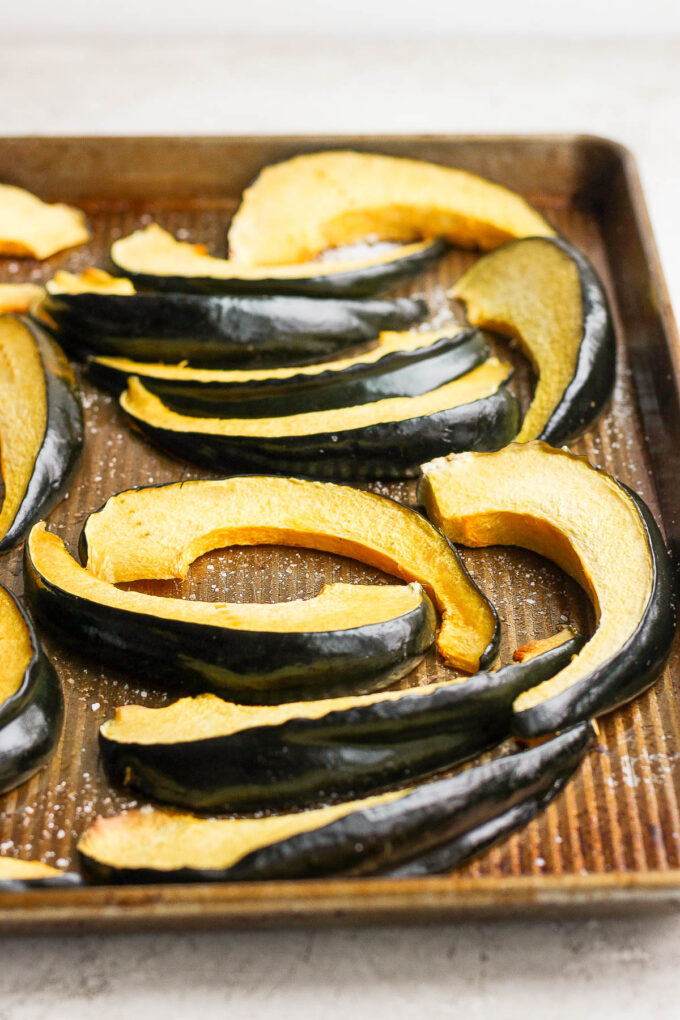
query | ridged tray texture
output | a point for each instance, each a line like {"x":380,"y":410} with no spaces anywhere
{"x":620,"y":815}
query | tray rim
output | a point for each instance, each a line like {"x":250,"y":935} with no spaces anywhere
{"x":370,"y":900}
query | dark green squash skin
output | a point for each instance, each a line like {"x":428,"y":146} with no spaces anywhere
{"x":364,"y":281}
{"x":590,"y":389}
{"x":555,"y":762}
{"x":384,"y":838}
{"x":221,"y":331}
{"x":386,"y":450}
{"x":31,"y":719}
{"x":633,"y":668}
{"x":69,"y":880}
{"x":58,"y":456}
{"x":248,"y":666}
{"x":347,"y":753}
{"x":397,"y":374}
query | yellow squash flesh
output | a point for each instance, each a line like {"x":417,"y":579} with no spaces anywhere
{"x":30,"y":227}
{"x":388,"y":343}
{"x":206,"y":716}
{"x":12,"y":869}
{"x":23,"y":414}
{"x":158,"y":532}
{"x":17,"y":298}
{"x":296,"y":209}
{"x":336,"y":607}
{"x":166,"y":841}
{"x":475,"y":385}
{"x":16,"y":650}
{"x":156,"y":252}
{"x":90,"y":281}
{"x":558,"y":505}
{"x":532,"y":293}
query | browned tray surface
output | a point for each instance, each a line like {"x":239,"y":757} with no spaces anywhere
{"x":612,"y":839}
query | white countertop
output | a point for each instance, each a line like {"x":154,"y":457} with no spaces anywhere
{"x":625,"y":90}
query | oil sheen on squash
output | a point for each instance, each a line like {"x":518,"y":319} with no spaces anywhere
{"x":158,"y":532}
{"x":23,"y":414}
{"x":297,"y":208}
{"x":16,"y":650}
{"x":475,"y":385}
{"x":388,"y":342}
{"x":558,"y":505}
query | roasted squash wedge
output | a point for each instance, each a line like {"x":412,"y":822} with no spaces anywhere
{"x":382,"y":439}
{"x":402,"y":365}
{"x":95,"y":313}
{"x":154,"y":260}
{"x":207,"y":754}
{"x":157,"y":532}
{"x":347,"y":638}
{"x":600,"y":533}
{"x":20,"y":876}
{"x":41,"y":426}
{"x":360,"y":837}
{"x":545,"y":294}
{"x":17,"y":298}
{"x":296,"y":209}
{"x":30,"y":227}
{"x":31,"y":705}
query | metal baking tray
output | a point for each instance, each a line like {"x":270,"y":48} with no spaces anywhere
{"x":611,"y":841}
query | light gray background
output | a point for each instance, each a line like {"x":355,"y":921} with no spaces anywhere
{"x":628,"y":89}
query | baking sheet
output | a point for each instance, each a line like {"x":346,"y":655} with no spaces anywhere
{"x":613,"y":837}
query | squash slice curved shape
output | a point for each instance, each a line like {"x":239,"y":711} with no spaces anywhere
{"x":600,"y":533}
{"x":31,"y":705}
{"x":545,"y":294}
{"x":381,"y":439}
{"x":347,"y":638}
{"x":203,"y":753}
{"x":154,"y":260}
{"x":449,"y":818}
{"x":297,"y":208}
{"x":41,"y":426}
{"x":158,"y":531}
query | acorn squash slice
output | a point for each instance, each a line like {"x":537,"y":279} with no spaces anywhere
{"x":17,"y":298}
{"x":347,"y":638}
{"x":203,"y":753}
{"x":95,"y":313}
{"x":41,"y":426}
{"x":154,"y":260}
{"x":600,"y":533}
{"x":30,"y":227}
{"x":20,"y":876}
{"x":382,"y":439}
{"x":297,"y":208}
{"x":159,"y":531}
{"x":545,"y":294}
{"x":361,"y":837}
{"x":31,"y":704}
{"x":401,"y":365}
